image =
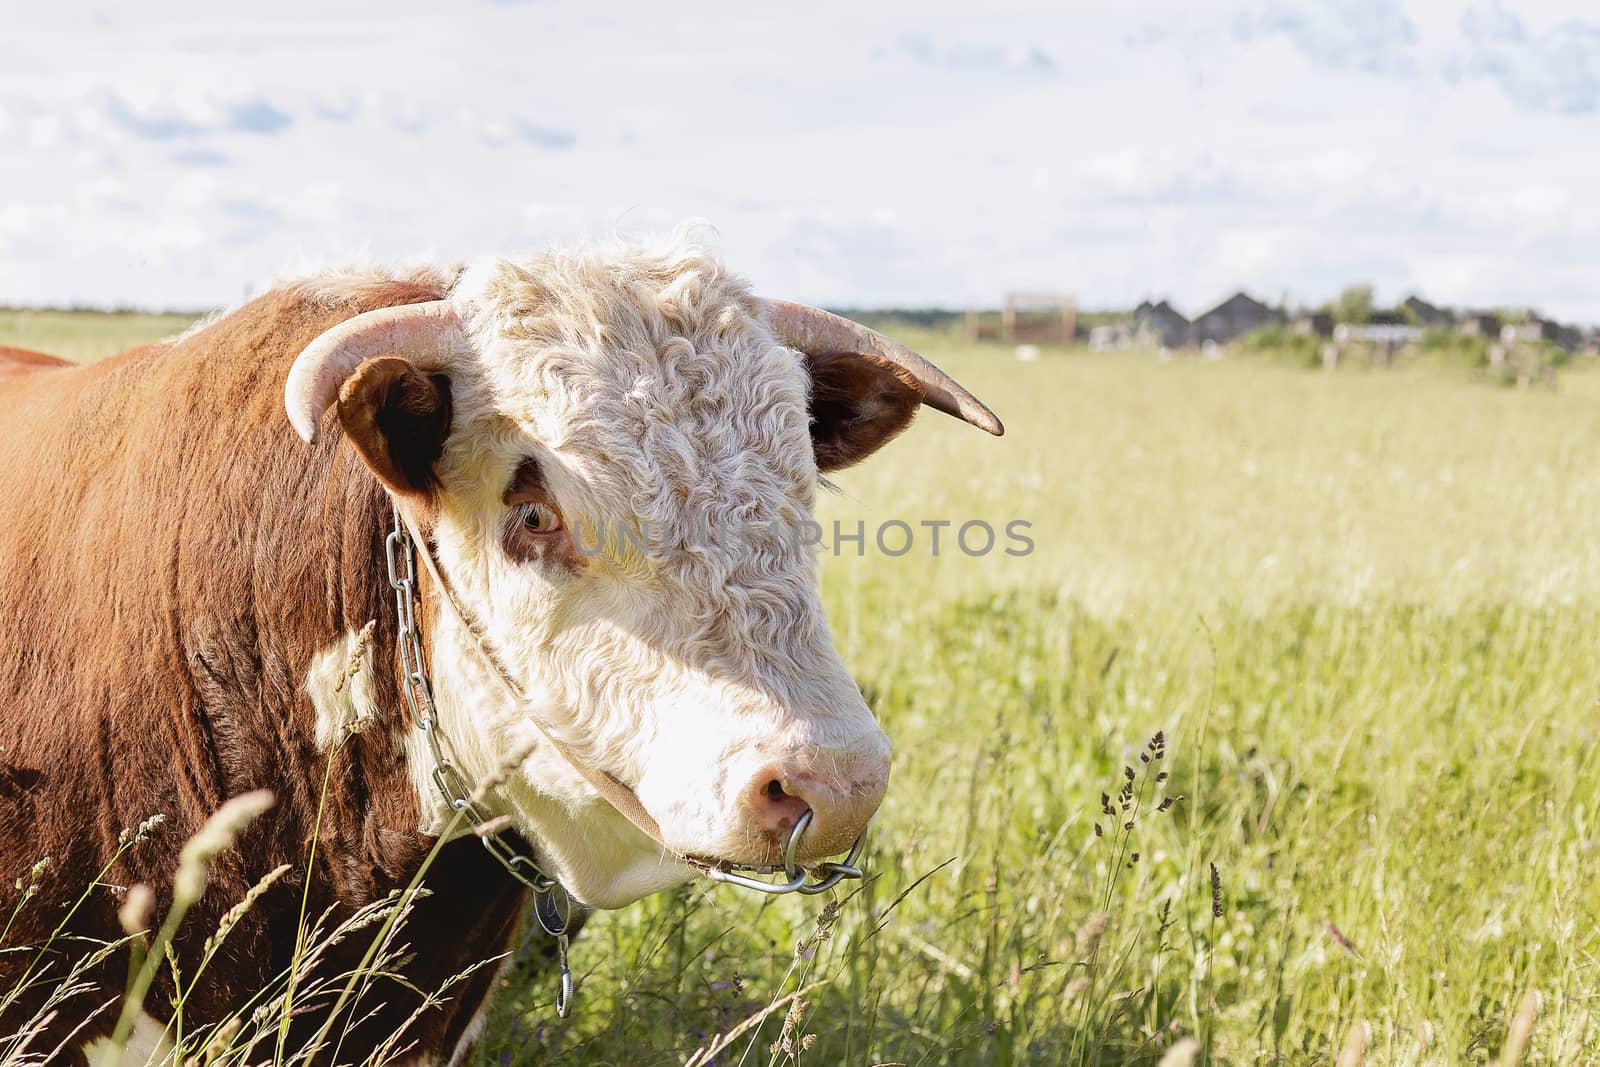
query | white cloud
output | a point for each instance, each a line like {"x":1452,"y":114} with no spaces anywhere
{"x":865,"y":154}
{"x":1558,"y":70}
{"x":1374,"y":36}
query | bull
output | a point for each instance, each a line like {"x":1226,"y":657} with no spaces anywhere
{"x":607,"y":660}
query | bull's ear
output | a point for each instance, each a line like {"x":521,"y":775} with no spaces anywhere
{"x":858,"y":404}
{"x":397,"y":416}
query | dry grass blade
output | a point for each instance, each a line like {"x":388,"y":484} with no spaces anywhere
{"x":1520,"y":1032}
{"x":705,"y":1055}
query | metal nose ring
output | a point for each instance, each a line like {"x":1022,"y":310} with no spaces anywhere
{"x":828,"y":873}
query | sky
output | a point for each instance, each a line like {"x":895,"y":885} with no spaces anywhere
{"x":888,"y":153}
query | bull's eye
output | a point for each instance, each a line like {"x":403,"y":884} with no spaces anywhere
{"x":540,"y":518}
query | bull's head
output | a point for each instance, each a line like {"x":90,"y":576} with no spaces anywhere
{"x":617,"y":454}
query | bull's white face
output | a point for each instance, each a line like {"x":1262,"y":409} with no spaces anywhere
{"x":620,"y":502}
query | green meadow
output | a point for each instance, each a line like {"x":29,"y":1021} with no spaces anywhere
{"x":1280,"y":735}
{"x":1364,"y":610}
{"x":84,"y":335}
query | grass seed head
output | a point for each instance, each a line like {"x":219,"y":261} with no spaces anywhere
{"x":221,"y":1042}
{"x":219,"y":832}
{"x":138,"y":835}
{"x":134,"y":914}
{"x":231,"y":917}
{"x":1086,"y":942}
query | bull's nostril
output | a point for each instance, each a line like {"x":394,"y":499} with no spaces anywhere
{"x":778,"y":796}
{"x":774,"y":801}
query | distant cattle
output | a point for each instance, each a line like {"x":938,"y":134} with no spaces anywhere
{"x":607,"y":460}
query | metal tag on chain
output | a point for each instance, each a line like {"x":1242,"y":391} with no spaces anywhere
{"x":564,"y":989}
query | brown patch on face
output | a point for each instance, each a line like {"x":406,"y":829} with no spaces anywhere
{"x":534,"y":530}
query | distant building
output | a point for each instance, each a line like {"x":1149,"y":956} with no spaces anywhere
{"x":1313,"y":324}
{"x":1481,"y":324}
{"x":1562,"y":335}
{"x":1426,"y":314}
{"x":1388,"y":317}
{"x":1160,"y":324}
{"x":1538,"y":328}
{"x":1232,"y":319}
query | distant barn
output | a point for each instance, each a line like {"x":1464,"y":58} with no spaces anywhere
{"x":1160,"y":324}
{"x":1426,"y":314}
{"x":1233,"y":318}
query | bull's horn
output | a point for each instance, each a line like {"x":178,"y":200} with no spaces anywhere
{"x":424,"y":333}
{"x":820,"y":333}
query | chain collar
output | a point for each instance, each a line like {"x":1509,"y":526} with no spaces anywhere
{"x":552,"y":905}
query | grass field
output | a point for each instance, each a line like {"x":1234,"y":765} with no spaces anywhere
{"x":84,"y":334}
{"x":1362,"y":608}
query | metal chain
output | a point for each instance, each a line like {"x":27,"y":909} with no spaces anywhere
{"x":552,"y":905}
